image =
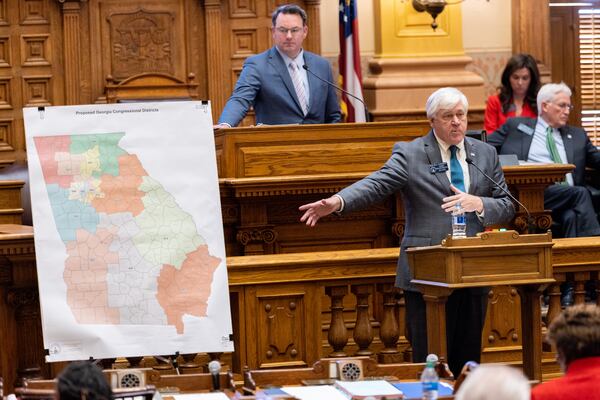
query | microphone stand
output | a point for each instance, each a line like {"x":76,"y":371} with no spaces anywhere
{"x":347,"y":93}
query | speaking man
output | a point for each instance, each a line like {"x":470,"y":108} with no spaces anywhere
{"x":277,"y":84}
{"x":432,"y":175}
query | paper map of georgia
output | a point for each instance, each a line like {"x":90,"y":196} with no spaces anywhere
{"x":133,"y":255}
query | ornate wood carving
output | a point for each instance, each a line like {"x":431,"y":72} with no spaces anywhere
{"x":37,"y":90}
{"x":363,"y":333}
{"x":503,"y":325}
{"x":7,"y":134}
{"x":338,"y":334}
{"x":3,"y":13}
{"x":5,"y":59}
{"x":34,"y":12}
{"x":35,"y":50}
{"x":141,"y":41}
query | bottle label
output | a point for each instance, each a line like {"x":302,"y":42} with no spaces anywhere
{"x":430,"y":386}
{"x":459,"y":219}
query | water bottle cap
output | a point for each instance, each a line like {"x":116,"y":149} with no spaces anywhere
{"x":432,"y":358}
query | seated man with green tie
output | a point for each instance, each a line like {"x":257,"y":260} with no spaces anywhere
{"x":548,"y":139}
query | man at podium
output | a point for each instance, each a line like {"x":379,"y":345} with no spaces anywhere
{"x":433,"y":175}
{"x":285,"y":84}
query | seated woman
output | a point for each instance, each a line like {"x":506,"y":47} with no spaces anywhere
{"x":517,"y":95}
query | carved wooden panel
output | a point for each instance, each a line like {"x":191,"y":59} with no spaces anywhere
{"x":141,"y":41}
{"x":37,"y":91}
{"x":245,"y":43}
{"x":503,"y":325}
{"x":35,"y":50}
{"x":5,"y":93}
{"x":7,"y":135}
{"x":3,"y":13}
{"x":34,"y":12}
{"x":5,"y":51}
{"x":242,"y":9}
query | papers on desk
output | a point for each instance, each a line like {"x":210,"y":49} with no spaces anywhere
{"x":314,"y":392}
{"x":201,"y":396}
{"x":344,"y":390}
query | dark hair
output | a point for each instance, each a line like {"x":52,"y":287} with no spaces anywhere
{"x":83,"y":380}
{"x":289,"y":9}
{"x":516,"y":62}
{"x":576,"y":332}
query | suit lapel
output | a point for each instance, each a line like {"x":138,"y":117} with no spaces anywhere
{"x":432,"y":149}
{"x":568,"y":143}
{"x":526,"y":142}
{"x":473,"y":154}
{"x":278,"y":64}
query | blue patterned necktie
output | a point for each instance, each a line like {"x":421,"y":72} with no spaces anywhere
{"x":456,"y":173}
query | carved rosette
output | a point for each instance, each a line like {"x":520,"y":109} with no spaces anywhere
{"x":256,"y":235}
{"x":25,"y":301}
{"x":398,"y":229}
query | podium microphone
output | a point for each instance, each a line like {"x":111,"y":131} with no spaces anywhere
{"x":347,"y":93}
{"x":214,"y":367}
{"x":530,"y":228}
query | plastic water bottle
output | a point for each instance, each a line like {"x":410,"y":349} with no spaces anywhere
{"x":459,"y":223}
{"x":430,"y":379}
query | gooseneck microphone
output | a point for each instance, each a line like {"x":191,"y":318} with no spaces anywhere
{"x":214,"y":367}
{"x":341,"y":90}
{"x":530,"y":227}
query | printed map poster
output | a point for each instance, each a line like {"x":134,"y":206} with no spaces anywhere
{"x":128,"y":230}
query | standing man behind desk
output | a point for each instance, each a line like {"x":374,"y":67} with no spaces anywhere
{"x":276,"y":83}
{"x":422,"y":171}
{"x":548,"y":139}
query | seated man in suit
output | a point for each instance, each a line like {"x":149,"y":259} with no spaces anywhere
{"x":576,"y":335}
{"x":432,"y":175}
{"x":277,"y":84}
{"x":548,"y":139}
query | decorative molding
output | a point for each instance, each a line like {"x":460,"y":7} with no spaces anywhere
{"x":3,"y":13}
{"x":33,"y":12}
{"x":37,"y":90}
{"x":7,"y":133}
{"x":72,"y":51}
{"x":5,"y":94}
{"x":5,"y":58}
{"x":245,"y":43}
{"x":141,"y":41}
{"x":242,"y":9}
{"x":256,"y":235}
{"x":214,"y":51}
{"x":35,"y":50}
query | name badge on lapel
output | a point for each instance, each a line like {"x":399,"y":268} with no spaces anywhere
{"x":437,"y":168}
{"x":525,"y":129}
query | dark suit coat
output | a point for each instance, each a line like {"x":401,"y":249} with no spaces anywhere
{"x":265,"y":83}
{"x":512,"y":138}
{"x":407,"y":171}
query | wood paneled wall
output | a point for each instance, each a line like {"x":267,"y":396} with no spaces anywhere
{"x":57,"y":52}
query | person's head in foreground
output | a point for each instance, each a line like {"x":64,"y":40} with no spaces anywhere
{"x":576,"y":334}
{"x":82,"y":380}
{"x":494,"y":381}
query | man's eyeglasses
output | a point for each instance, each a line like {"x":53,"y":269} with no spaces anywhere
{"x":293,"y":31}
{"x":447,"y":117}
{"x":564,"y":106}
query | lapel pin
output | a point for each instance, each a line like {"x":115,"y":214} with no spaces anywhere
{"x":569,"y":136}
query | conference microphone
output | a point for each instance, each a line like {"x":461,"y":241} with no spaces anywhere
{"x":530,"y":228}
{"x":214,"y":367}
{"x":341,"y":90}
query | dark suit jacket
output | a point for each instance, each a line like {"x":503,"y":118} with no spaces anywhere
{"x":513,"y":138}
{"x":265,"y":83}
{"x":407,"y":171}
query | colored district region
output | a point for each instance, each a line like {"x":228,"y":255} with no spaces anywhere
{"x":133,"y":255}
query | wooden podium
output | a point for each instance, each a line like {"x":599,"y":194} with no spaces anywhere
{"x":489,"y":259}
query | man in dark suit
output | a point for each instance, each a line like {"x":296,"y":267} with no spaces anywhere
{"x":419,"y":171}
{"x":276,"y":83}
{"x":548,"y":139}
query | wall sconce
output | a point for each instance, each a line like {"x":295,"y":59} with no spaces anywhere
{"x":433,"y":8}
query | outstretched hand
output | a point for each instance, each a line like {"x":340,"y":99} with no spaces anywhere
{"x":468,"y":202}
{"x":315,"y":211}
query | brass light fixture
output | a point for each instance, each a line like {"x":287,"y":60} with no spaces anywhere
{"x":433,"y":8}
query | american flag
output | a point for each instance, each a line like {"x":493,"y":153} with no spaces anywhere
{"x":350,"y":75}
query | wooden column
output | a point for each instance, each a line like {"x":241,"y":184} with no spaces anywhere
{"x":313,"y":40}
{"x":531,"y":32}
{"x":72,"y":52}
{"x":214,"y":33}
